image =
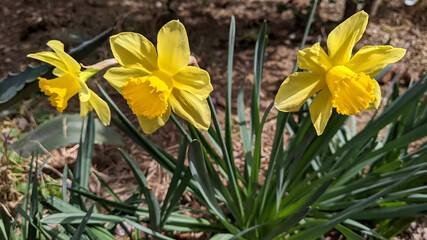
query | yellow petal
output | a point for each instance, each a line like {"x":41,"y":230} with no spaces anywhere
{"x":84,"y":92}
{"x":117,"y":76}
{"x":189,"y":107}
{"x":101,"y":108}
{"x":51,"y":58}
{"x":60,"y":90}
{"x":85,"y":108}
{"x":173,"y":47}
{"x":377,"y":92}
{"x":58,"y":72}
{"x":321,"y":110}
{"x":296,"y":89}
{"x":314,"y":59}
{"x":195,"y":80}
{"x":151,"y":125}
{"x":73,"y":66}
{"x":343,"y":38}
{"x":132,"y":50}
{"x":372,"y":59}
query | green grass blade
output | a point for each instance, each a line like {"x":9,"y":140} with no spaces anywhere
{"x":229,"y":163}
{"x":200,"y":174}
{"x":153,"y":204}
{"x":64,"y":182}
{"x":77,"y":218}
{"x":391,"y":212}
{"x":6,"y":230}
{"x":348,"y":233}
{"x":298,"y":213}
{"x":34,"y":206}
{"x":228,"y":127}
{"x":260,"y":46}
{"x":155,"y":234}
{"x":177,"y":184}
{"x":246,"y":139}
{"x":108,"y":188}
{"x":349,"y":212}
{"x":81,"y":172}
{"x":99,"y":233}
{"x":81,"y":228}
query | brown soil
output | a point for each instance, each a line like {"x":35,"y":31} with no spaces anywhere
{"x":26,"y":25}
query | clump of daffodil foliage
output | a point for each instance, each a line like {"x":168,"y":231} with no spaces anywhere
{"x":326,"y":175}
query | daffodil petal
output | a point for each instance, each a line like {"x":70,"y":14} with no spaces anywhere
{"x":296,"y":89}
{"x":51,"y":58}
{"x":84,"y":93}
{"x":59,"y":90}
{"x":195,"y":80}
{"x":342,"y":39}
{"x":73,"y":66}
{"x":173,"y":47}
{"x":372,"y":59}
{"x":85,"y":108}
{"x":101,"y":108}
{"x":58,"y":72}
{"x":376,"y":103}
{"x":314,"y":59}
{"x":189,"y":107}
{"x":321,"y":110}
{"x":151,"y":125}
{"x":117,"y":76}
{"x":132,"y":50}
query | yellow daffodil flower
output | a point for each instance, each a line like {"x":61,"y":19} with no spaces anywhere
{"x":70,"y":81}
{"x":339,"y":81}
{"x":156,"y":82}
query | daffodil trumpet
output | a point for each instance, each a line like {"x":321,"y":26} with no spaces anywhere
{"x":69,"y":82}
{"x":156,"y":82}
{"x":337,"y":80}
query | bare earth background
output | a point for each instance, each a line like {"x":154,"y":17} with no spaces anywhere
{"x":26,"y":26}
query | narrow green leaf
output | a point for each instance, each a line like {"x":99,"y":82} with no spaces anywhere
{"x":77,"y":218}
{"x":348,"y":234}
{"x":177,"y":184}
{"x":200,"y":174}
{"x":99,"y":233}
{"x":64,"y":182}
{"x":153,"y":204}
{"x":81,"y":228}
{"x":108,"y":188}
{"x":34,"y":206}
{"x":349,"y":212}
{"x":246,"y":139}
{"x":155,"y":234}
{"x":228,"y":128}
{"x":222,"y":236}
{"x":60,"y":131}
{"x":84,"y":162}
{"x":5,"y":226}
{"x":392,"y":212}
{"x":229,"y":163}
